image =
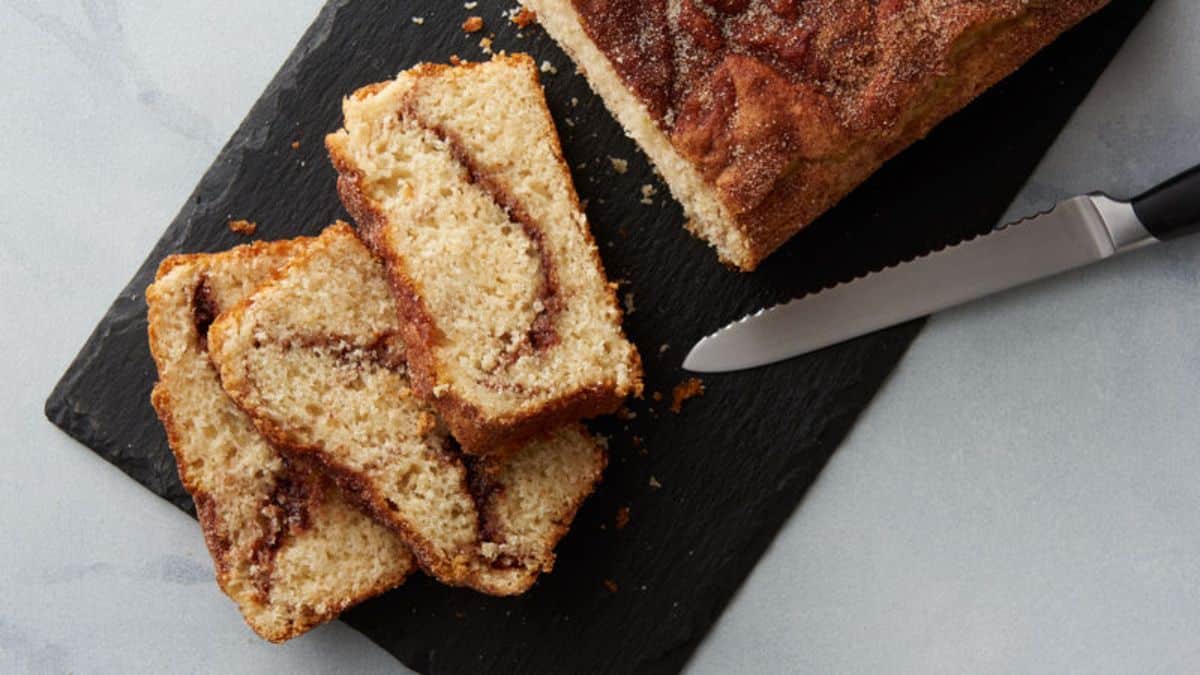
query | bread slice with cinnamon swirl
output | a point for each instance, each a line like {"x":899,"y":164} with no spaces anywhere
{"x":314,"y":358}
{"x":289,"y":547}
{"x":457,"y":181}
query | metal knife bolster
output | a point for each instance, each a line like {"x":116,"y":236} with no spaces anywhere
{"x":1125,"y":230}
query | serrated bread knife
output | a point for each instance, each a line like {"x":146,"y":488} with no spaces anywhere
{"x":1076,"y":232}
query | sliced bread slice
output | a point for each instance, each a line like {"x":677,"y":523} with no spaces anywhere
{"x":457,"y":180}
{"x":288,"y":547}
{"x":314,"y":358}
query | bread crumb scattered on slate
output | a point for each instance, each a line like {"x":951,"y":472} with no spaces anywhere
{"x":418,"y":20}
{"x":548,"y":67}
{"x":470,"y":5}
{"x":648,"y":192}
{"x":473,"y":24}
{"x":654,"y":483}
{"x":619,"y":165}
{"x":486,"y":45}
{"x":689,"y":388}
{"x":524,"y":17}
{"x":610,"y":585}
{"x":622,"y":517}
{"x":245,"y":227}
{"x":295,"y":145}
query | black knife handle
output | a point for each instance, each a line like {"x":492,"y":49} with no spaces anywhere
{"x":1171,"y":209}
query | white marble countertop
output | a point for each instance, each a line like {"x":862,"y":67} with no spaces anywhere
{"x":1022,"y":496}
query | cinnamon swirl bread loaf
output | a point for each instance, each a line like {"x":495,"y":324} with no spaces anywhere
{"x":457,"y":181}
{"x":762,"y":114}
{"x":289,"y":549}
{"x":314,"y":357}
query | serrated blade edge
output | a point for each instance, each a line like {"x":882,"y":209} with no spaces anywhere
{"x":1070,"y":235}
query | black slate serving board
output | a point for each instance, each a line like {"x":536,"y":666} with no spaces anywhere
{"x":733,"y":465}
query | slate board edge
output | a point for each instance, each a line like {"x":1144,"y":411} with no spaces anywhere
{"x":894,"y":342}
{"x":130,"y":304}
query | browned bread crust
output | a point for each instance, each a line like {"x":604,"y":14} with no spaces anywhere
{"x":311,"y":358}
{"x":265,"y":519}
{"x":777,"y":109}
{"x":480,"y":431}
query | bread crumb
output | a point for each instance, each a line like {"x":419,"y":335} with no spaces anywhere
{"x":524,"y":17}
{"x":486,"y":45}
{"x":574,"y":101}
{"x":629,"y":307}
{"x":246,"y":227}
{"x":548,"y":67}
{"x":418,"y":20}
{"x":610,"y":585}
{"x":473,"y":24}
{"x":654,"y":483}
{"x":295,"y":145}
{"x":619,"y":165}
{"x":657,"y":396}
{"x":648,"y":192}
{"x":622,"y":517}
{"x":662,"y":349}
{"x":624,"y":413}
{"x":455,"y":61}
{"x":470,"y":5}
{"x":689,"y":388}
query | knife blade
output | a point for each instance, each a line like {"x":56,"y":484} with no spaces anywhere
{"x":1076,"y":232}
